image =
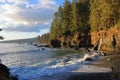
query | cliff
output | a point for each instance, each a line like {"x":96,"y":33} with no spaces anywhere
{"x":110,"y":40}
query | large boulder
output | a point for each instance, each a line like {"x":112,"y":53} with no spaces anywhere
{"x":4,"y":72}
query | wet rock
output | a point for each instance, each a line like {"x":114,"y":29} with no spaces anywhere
{"x":4,"y":72}
{"x":103,"y":54}
{"x":88,"y":59}
{"x":55,"y":43}
{"x":15,"y":77}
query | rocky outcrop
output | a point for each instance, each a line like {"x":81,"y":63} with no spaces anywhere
{"x":5,"y":74}
{"x":73,"y":41}
{"x":110,"y":39}
{"x":55,"y":43}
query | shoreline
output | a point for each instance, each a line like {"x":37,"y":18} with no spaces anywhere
{"x":77,"y":76}
{"x":101,"y":70}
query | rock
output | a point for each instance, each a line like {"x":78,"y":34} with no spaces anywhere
{"x":103,"y":54}
{"x":76,"y":48}
{"x":55,"y":43}
{"x":108,"y":59}
{"x":4,"y":72}
{"x":88,"y":59}
{"x":15,"y":77}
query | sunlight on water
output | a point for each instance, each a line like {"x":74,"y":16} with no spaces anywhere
{"x":28,"y":61}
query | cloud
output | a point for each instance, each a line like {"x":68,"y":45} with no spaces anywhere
{"x":24,"y":28}
{"x":24,"y":16}
{"x":20,"y":35}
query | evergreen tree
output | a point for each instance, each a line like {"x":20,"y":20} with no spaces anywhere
{"x":56,"y":28}
{"x":44,"y":38}
{"x":83,"y":18}
{"x":104,"y":14}
{"x":66,"y":18}
{"x":74,"y":17}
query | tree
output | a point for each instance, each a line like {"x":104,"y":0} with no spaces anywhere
{"x":83,"y":18}
{"x":74,"y":17}
{"x":104,"y":14}
{"x":44,"y":38}
{"x":56,"y":28}
{"x":66,"y":18}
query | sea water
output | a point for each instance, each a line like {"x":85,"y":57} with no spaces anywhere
{"x":29,"y":62}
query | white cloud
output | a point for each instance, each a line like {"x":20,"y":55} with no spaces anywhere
{"x":26,"y":19}
{"x":18,"y":35}
{"x":2,"y":1}
{"x":21,"y":13}
{"x":48,"y":3}
{"x":18,"y":1}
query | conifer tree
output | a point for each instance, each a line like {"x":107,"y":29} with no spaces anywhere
{"x":104,"y":14}
{"x":66,"y":18}
{"x":56,"y":28}
{"x":74,"y":17}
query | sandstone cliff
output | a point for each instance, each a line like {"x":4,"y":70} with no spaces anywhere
{"x":110,"y":40}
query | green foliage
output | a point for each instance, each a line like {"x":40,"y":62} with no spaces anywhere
{"x":104,"y":14}
{"x":44,"y":38}
{"x":74,"y":17}
{"x":81,"y":16}
{"x":56,"y":28}
{"x":70,"y":18}
{"x":66,"y":18}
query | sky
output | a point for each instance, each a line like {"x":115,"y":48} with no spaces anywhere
{"x":21,"y":19}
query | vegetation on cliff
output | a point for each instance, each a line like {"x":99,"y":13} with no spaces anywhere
{"x":81,"y":23}
{"x":70,"y":19}
{"x":104,"y":14}
{"x":44,"y":38}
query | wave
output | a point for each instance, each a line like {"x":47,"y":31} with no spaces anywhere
{"x":53,"y":66}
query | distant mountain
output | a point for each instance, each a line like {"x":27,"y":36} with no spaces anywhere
{"x":28,"y":40}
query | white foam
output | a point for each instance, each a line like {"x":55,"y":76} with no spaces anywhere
{"x":92,"y":69}
{"x":92,"y":55}
{"x":62,"y":65}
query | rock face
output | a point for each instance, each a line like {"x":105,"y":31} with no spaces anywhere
{"x":4,"y":72}
{"x":55,"y":43}
{"x":110,"y":39}
{"x":73,"y":41}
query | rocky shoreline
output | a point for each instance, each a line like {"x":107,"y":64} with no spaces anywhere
{"x":97,"y":70}
{"x":5,"y":73}
{"x":106,"y":62}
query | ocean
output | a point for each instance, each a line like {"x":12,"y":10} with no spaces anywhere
{"x":29,"y":62}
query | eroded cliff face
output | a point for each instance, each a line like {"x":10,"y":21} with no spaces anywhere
{"x":110,"y":39}
{"x":75,"y":41}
